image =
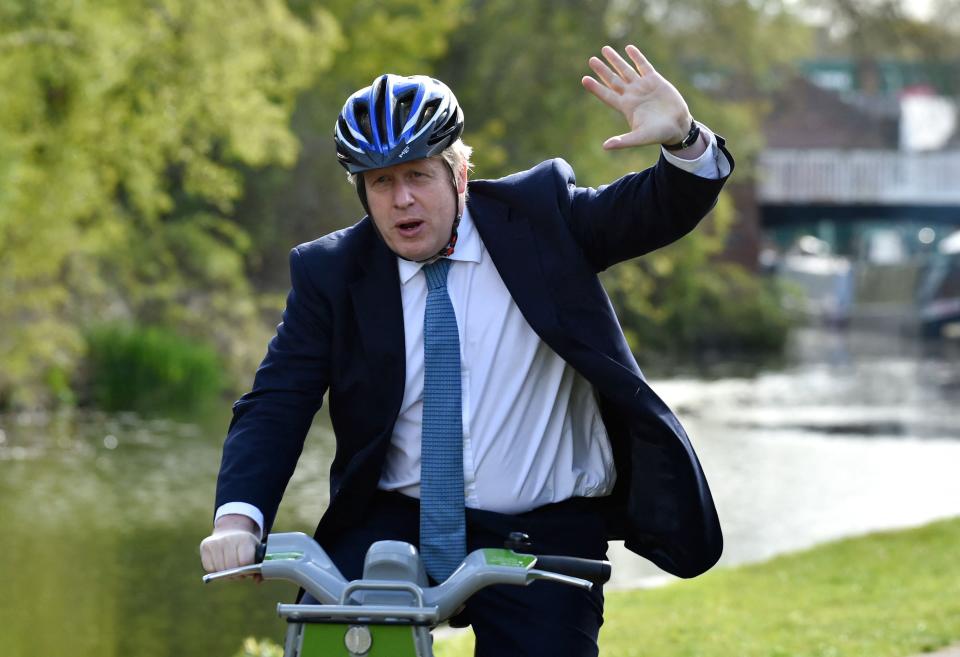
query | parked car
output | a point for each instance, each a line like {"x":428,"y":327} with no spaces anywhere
{"x":824,"y":280}
{"x":939,"y":293}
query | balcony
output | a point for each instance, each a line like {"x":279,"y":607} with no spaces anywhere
{"x":858,"y":177}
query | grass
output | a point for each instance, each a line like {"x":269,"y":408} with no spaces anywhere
{"x":888,"y":594}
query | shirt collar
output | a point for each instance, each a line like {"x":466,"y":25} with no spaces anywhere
{"x":468,"y":249}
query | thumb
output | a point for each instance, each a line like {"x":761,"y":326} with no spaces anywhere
{"x":626,"y":140}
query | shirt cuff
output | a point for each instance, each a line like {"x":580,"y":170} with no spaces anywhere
{"x":711,"y":164}
{"x":243,"y":509}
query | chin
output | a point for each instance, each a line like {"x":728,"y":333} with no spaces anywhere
{"x":407,"y":254}
{"x":417,"y":253}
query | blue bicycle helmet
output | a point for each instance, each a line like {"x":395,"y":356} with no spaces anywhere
{"x":396,"y":119}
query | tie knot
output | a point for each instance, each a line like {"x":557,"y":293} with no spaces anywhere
{"x":436,"y":273}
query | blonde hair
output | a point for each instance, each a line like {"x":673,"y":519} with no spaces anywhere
{"x":455,"y":155}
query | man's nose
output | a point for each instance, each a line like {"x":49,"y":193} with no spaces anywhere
{"x":402,"y":196}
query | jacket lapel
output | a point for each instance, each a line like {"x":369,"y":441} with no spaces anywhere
{"x":379,"y":313}
{"x":508,"y":238}
{"x":511,"y":242}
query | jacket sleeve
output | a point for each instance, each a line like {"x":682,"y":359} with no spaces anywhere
{"x":638,"y":213}
{"x":271,"y":421}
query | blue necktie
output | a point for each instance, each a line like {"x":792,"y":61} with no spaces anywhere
{"x":443,"y":542}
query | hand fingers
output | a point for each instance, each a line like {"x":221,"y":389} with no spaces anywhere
{"x":619,"y":64}
{"x":211,"y":554}
{"x":228,"y":550}
{"x":643,"y":66}
{"x":226,"y":555}
{"x":206,"y":558}
{"x":609,"y":78}
{"x":219,"y":554}
{"x":600,"y":91}
{"x":246,"y":550}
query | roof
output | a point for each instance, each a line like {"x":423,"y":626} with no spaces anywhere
{"x":805,"y":116}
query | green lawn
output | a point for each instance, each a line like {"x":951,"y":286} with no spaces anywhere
{"x":888,"y":594}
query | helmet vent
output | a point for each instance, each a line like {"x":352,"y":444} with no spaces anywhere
{"x":448,"y":132}
{"x":380,"y":108}
{"x":402,"y":113}
{"x":362,"y":112}
{"x":429,"y":109}
{"x":343,"y":127}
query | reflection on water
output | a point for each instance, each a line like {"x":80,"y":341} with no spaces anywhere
{"x":861,"y":433}
{"x":102,"y":517}
{"x":102,"y":514}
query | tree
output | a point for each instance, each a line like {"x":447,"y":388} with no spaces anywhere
{"x":284,"y":207}
{"x":124,"y":129}
{"x":874,"y":31}
{"x":516,"y":70}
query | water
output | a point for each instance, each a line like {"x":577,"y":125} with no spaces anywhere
{"x":102,"y":514}
{"x":863,"y":433}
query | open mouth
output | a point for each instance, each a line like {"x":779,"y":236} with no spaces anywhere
{"x":409,"y":228}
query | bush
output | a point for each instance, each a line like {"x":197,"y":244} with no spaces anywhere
{"x":717,"y":312}
{"x":149,"y":369}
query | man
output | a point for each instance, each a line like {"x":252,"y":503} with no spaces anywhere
{"x":478,"y":380}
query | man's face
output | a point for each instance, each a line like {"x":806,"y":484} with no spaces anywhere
{"x":413,"y":205}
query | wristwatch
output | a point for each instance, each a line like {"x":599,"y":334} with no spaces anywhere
{"x":691,"y":137}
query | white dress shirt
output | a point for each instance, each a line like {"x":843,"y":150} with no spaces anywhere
{"x":532,"y":432}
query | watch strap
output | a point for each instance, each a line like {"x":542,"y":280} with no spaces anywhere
{"x":691,"y":137}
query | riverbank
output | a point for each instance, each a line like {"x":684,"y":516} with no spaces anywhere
{"x":887,"y":594}
{"x":856,"y":435}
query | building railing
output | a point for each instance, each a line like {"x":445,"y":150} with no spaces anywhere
{"x":876,"y":177}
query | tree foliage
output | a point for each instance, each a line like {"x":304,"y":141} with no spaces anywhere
{"x":682,"y":300}
{"x":123,"y":130}
{"x":920,"y":36}
{"x":284,"y":207}
{"x":158,"y":159}
{"x":524,"y":103}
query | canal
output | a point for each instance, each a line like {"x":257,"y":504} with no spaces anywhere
{"x":102,"y":514}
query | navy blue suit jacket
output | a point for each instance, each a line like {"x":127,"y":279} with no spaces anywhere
{"x":342,"y":333}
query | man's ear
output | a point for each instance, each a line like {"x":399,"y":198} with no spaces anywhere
{"x":462,"y":179}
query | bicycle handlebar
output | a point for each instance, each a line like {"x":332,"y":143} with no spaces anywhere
{"x":298,"y":558}
{"x":597,"y":572}
{"x":252,"y":569}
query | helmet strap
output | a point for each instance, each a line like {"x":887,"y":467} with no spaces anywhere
{"x":362,"y":192}
{"x":452,"y":244}
{"x":449,"y":248}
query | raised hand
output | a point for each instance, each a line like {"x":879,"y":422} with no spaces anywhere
{"x":653,"y":107}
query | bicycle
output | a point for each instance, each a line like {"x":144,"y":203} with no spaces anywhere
{"x":390,"y":611}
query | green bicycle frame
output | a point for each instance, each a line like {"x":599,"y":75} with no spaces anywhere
{"x":350,"y":638}
{"x":335,"y":640}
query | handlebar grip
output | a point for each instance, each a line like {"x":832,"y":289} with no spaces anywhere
{"x":597,"y":572}
{"x":260,"y":553}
